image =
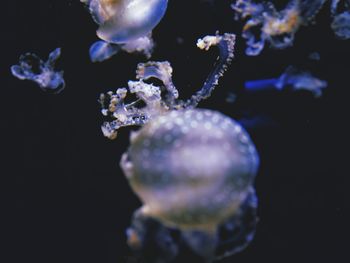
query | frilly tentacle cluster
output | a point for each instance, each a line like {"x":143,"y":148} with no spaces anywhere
{"x":264,"y":24}
{"x":153,"y":100}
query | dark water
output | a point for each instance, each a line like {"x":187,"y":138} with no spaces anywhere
{"x":65,"y":197}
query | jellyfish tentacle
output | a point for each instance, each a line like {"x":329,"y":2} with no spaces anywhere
{"x":226,"y":44}
{"x":151,"y":95}
{"x":162,"y":71}
{"x":236,"y":233}
{"x":53,"y":57}
{"x":113,"y":106}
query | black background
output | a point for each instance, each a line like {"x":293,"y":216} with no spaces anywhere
{"x":65,"y":198}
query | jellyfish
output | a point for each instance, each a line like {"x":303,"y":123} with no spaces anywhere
{"x":194,"y":171}
{"x":340,"y":10}
{"x":264,"y":24}
{"x":31,"y":67}
{"x":207,"y":204}
{"x":124,"y":25}
{"x":293,"y":79}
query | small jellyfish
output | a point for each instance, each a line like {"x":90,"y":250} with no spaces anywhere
{"x":340,"y":10}
{"x":264,"y":24}
{"x":124,"y":24}
{"x":293,"y":79}
{"x":31,"y":67}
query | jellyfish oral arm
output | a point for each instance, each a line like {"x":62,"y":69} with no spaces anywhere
{"x":123,"y":114}
{"x":226,"y":45}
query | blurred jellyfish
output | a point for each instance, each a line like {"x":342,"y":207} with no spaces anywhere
{"x":205,"y":204}
{"x":293,"y":79}
{"x":340,"y":10}
{"x":31,"y":67}
{"x":124,"y":25}
{"x":264,"y":24}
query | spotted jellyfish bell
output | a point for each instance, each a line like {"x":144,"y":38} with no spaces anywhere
{"x":193,"y":170}
{"x":122,"y":21}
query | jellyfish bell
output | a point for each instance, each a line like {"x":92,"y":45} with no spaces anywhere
{"x":122,"y":21}
{"x":192,"y":169}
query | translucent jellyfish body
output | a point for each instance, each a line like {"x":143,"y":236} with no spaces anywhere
{"x":193,"y":171}
{"x":31,"y":67}
{"x":264,"y":24}
{"x":125,"y":24}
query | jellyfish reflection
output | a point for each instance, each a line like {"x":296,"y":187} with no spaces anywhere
{"x":124,"y":24}
{"x":31,"y":67}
